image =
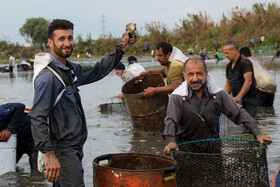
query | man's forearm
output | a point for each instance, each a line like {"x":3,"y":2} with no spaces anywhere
{"x":245,"y":88}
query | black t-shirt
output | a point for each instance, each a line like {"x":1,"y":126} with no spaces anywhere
{"x":236,"y":79}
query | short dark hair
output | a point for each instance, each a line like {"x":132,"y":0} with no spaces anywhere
{"x":245,"y":51}
{"x":59,"y":24}
{"x":195,"y":59}
{"x":131,"y":59}
{"x":232,"y":44}
{"x":165,"y":46}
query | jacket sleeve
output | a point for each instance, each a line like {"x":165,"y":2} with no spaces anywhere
{"x":14,"y":114}
{"x":172,"y":119}
{"x":237,"y":114}
{"x":44,"y":94}
{"x":89,"y":74}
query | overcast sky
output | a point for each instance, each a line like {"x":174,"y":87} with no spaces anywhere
{"x":87,"y":14}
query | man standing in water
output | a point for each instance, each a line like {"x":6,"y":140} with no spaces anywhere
{"x":240,"y":79}
{"x":173,"y":60}
{"x":195,"y":106}
{"x":12,"y":62}
{"x":59,"y":126}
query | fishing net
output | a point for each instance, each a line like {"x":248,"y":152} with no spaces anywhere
{"x":108,"y":108}
{"x":221,"y":162}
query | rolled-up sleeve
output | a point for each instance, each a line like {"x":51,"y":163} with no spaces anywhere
{"x":44,"y":95}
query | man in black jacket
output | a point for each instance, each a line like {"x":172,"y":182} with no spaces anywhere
{"x":13,"y":120}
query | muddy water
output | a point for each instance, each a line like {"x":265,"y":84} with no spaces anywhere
{"x":111,"y":133}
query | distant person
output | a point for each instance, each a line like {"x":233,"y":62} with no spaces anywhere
{"x":195,"y":106}
{"x":13,"y":120}
{"x":190,"y":51}
{"x":12,"y":62}
{"x":172,"y":60}
{"x":261,"y":39}
{"x":266,"y":85}
{"x":240,"y":79}
{"x":277,"y":49}
{"x":252,"y":42}
{"x":58,"y":120}
{"x":129,"y":73}
{"x":147,"y":48}
{"x":42,"y":47}
{"x":133,"y":69}
{"x":153,"y":53}
{"x":218,"y":55}
{"x":216,"y":45}
{"x":203,"y":54}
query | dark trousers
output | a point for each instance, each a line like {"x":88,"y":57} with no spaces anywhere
{"x":25,"y":145}
{"x":250,"y":106}
{"x":71,"y":169}
{"x":11,"y":69}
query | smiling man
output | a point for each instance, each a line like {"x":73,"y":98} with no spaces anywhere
{"x":59,"y":125}
{"x":195,"y":106}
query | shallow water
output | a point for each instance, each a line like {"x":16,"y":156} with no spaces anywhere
{"x":111,"y":133}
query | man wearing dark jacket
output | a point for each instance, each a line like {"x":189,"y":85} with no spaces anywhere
{"x":59,"y":125}
{"x":13,"y":120}
{"x":195,"y":106}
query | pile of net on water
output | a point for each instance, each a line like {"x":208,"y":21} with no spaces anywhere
{"x":221,"y":162}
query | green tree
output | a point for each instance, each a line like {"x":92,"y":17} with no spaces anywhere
{"x":35,"y":30}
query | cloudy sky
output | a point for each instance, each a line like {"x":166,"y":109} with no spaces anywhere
{"x":87,"y":14}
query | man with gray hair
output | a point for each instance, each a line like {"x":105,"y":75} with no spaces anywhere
{"x":195,"y":106}
{"x":240,"y":79}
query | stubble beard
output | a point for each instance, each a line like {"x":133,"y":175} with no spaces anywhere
{"x":59,"y":52}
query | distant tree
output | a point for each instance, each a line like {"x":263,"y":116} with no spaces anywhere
{"x":35,"y":30}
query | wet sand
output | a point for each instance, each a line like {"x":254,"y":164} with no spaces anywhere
{"x":111,"y":133}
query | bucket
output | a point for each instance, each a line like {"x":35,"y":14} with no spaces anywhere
{"x":8,"y":155}
{"x":134,"y":170}
{"x":147,"y":113}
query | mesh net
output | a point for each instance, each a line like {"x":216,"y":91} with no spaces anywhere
{"x":221,"y":162}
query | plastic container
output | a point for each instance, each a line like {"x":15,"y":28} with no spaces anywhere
{"x":8,"y":155}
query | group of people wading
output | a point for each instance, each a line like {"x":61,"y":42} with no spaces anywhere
{"x":58,"y":122}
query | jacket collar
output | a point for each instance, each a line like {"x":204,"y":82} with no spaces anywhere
{"x":58,"y":63}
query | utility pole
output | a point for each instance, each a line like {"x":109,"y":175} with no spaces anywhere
{"x":103,"y":25}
